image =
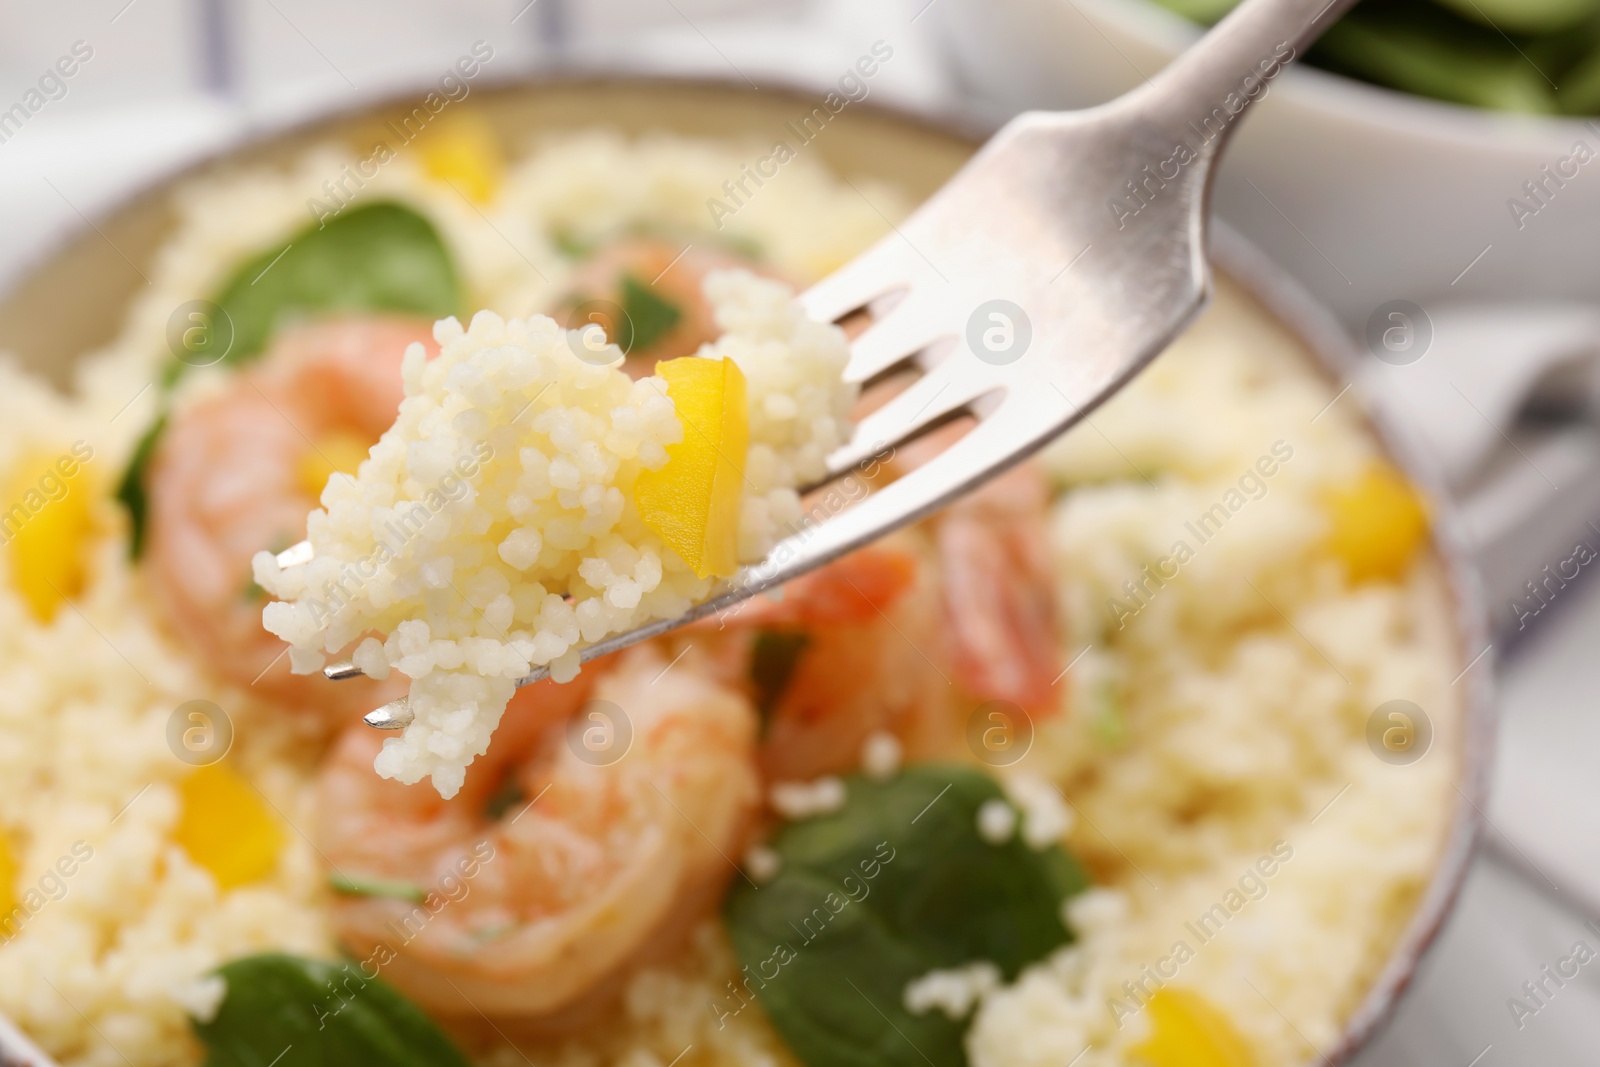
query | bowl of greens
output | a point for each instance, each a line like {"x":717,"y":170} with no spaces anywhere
{"x":1421,"y":148}
{"x":1539,"y":57}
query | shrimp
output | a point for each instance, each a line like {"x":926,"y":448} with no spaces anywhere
{"x":595,"y":867}
{"x":999,"y":590}
{"x":238,"y":471}
{"x":886,"y":670}
{"x":997,"y":576}
{"x":853,"y":589}
{"x":657,"y":286}
{"x":910,"y":635}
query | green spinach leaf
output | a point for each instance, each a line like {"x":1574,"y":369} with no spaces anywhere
{"x":895,"y":884}
{"x":381,"y":256}
{"x":310,"y":1013}
{"x":131,"y":489}
{"x":773,"y":658}
{"x":378,"y":257}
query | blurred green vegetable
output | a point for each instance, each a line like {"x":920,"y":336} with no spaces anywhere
{"x":292,"y":1012}
{"x":1526,"y":16}
{"x":1204,"y":12}
{"x":1434,"y":56}
{"x":1580,"y":87}
{"x":1109,"y":725}
{"x":1531,"y":56}
{"x":773,"y":659}
{"x":378,"y":257}
{"x":897,"y":883}
{"x":131,"y":491}
{"x":646,"y":318}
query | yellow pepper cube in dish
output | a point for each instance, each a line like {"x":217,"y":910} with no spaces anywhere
{"x":339,"y":453}
{"x":1376,"y":524}
{"x":8,"y":881}
{"x":1186,"y":1031}
{"x":226,"y":827}
{"x":692,"y":503}
{"x":46,"y":531}
{"x":461,"y":149}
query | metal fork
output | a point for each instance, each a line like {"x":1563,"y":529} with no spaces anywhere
{"x":1053,"y":266}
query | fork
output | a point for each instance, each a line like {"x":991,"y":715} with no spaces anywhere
{"x":1055,"y":264}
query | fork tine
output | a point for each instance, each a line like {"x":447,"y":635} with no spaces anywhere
{"x":924,"y":403}
{"x":908,"y":328}
{"x":1018,"y":426}
{"x":395,"y":715}
{"x":880,"y":270}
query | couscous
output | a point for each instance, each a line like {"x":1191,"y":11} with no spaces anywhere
{"x":1077,"y":771}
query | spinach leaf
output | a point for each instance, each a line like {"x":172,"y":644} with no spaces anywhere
{"x":310,"y":1013}
{"x":377,"y":257}
{"x":773,"y":659}
{"x":381,"y":256}
{"x":895,"y":884}
{"x":646,"y":317}
{"x":131,"y":490}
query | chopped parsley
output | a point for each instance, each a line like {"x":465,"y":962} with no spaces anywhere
{"x":646,"y":317}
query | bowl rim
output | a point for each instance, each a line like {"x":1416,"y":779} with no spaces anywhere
{"x":1331,"y":348}
{"x":1338,"y":356}
{"x":307,"y":127}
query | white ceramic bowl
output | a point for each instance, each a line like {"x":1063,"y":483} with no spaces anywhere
{"x":1364,"y":193}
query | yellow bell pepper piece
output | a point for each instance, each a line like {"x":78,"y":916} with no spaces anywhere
{"x":45,"y":527}
{"x":8,"y":884}
{"x":336,"y":453}
{"x":226,"y":828}
{"x":1377,"y":523}
{"x":692,"y":502}
{"x":1186,"y":1031}
{"x":462,"y":150}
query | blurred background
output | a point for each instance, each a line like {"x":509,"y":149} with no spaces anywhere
{"x":1433,"y":181}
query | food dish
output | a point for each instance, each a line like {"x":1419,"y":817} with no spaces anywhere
{"x":1180,"y":759}
{"x":599,"y":502}
{"x":1512,"y":56}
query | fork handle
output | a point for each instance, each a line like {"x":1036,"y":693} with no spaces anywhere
{"x":1202,"y":93}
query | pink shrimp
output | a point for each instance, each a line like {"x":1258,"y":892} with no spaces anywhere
{"x":907,"y":636}
{"x":911,"y":634}
{"x":601,"y":861}
{"x":853,"y":589}
{"x":234,"y":473}
{"x":999,"y":590}
{"x":996,"y":574}
{"x":671,"y":274}
{"x":886,"y":670}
